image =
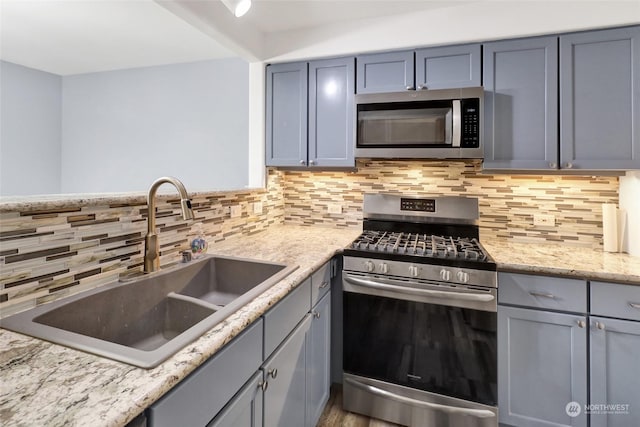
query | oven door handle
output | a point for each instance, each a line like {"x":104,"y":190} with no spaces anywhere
{"x":466,"y":296}
{"x":478,"y":413}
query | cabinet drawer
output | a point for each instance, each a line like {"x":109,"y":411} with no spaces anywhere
{"x":320,"y":283}
{"x":615,"y":300}
{"x":197,"y":399}
{"x":552,"y":293}
{"x":281,"y":319}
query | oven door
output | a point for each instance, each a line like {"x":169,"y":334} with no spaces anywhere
{"x":425,"y":346}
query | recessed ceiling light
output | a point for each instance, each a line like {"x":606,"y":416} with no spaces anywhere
{"x":238,"y":7}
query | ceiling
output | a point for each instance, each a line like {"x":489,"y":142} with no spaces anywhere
{"x":68,"y":37}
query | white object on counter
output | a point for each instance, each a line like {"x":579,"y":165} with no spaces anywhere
{"x":610,"y":227}
{"x":630,"y":203}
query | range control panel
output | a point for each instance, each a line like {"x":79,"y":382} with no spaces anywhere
{"x":418,"y":205}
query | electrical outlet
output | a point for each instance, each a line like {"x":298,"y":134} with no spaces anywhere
{"x":257,"y":208}
{"x":334,"y":208}
{"x":236,"y":211}
{"x":544,"y":220}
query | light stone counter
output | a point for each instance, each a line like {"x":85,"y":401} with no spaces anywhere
{"x":560,"y":260}
{"x":43,"y":384}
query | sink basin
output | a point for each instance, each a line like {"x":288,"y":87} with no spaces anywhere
{"x":145,"y":321}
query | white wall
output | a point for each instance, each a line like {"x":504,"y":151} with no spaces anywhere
{"x":123,"y":129}
{"x":464,"y":22}
{"x":29,"y":131}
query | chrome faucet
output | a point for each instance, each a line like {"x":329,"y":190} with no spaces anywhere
{"x":151,"y":247}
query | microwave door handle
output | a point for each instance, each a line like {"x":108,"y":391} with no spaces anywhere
{"x":423,"y":292}
{"x":457,"y":126}
{"x":478,"y":413}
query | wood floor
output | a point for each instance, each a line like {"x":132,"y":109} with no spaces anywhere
{"x":334,"y":416}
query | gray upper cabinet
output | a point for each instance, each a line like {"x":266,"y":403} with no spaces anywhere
{"x":331,"y":91}
{"x":600,"y":100}
{"x":542,"y":367}
{"x":286,"y":114}
{"x":448,"y":67}
{"x":521,"y":104}
{"x":385,"y":72}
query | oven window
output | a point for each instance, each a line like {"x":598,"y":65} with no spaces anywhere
{"x":410,"y":125}
{"x":436,"y":348}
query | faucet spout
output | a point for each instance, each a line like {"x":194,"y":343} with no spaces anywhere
{"x":151,"y":247}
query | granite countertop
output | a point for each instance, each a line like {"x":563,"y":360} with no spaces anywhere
{"x":47,"y":384}
{"x":44,"y":384}
{"x":562,"y":260}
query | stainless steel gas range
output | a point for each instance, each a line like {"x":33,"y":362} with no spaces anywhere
{"x":420,"y":303}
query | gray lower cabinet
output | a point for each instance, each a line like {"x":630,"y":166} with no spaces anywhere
{"x":286,"y":114}
{"x":542,"y":354}
{"x":318,"y":360}
{"x":600,"y":100}
{"x":521,"y":104}
{"x":246,"y":408}
{"x":284,"y":398}
{"x":614,"y":350}
{"x":235,"y":388}
{"x":542,"y":367}
{"x":309,"y":113}
{"x":197,"y":399}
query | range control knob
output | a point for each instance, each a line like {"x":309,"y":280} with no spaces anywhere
{"x":413,"y":270}
{"x":384,"y":268}
{"x":369,"y":266}
{"x":462,"y":276}
{"x":445,"y":274}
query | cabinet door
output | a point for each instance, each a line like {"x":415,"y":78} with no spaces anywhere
{"x":521,"y":104}
{"x":331,"y":117}
{"x":448,"y":67}
{"x":542,"y":367}
{"x":615,"y":378}
{"x":600,"y":100}
{"x":284,"y":399}
{"x":286,"y":114}
{"x":318,"y":356}
{"x":245,"y":410}
{"x":384,"y":72}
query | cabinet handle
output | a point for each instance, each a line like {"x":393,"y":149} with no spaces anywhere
{"x":552,"y":165}
{"x":263,"y":385}
{"x":542,"y":294}
{"x":312,"y":162}
{"x":600,"y":326}
{"x":410,"y":88}
{"x":302,"y":162}
{"x":634,"y":305}
{"x":582,"y":323}
{"x":273,"y":373}
{"x":422,"y":87}
{"x":316,"y":314}
{"x":325,"y":284}
{"x":568,"y":165}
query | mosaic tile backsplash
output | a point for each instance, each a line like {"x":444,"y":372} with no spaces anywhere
{"x":48,"y":251}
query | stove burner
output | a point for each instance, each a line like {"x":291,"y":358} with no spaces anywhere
{"x":419,"y":244}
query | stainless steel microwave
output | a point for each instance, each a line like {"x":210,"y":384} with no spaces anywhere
{"x":429,"y":124}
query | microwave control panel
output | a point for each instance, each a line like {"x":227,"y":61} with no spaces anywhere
{"x":470,"y":123}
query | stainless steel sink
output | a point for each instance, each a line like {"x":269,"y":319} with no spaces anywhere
{"x":144,"y":321}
